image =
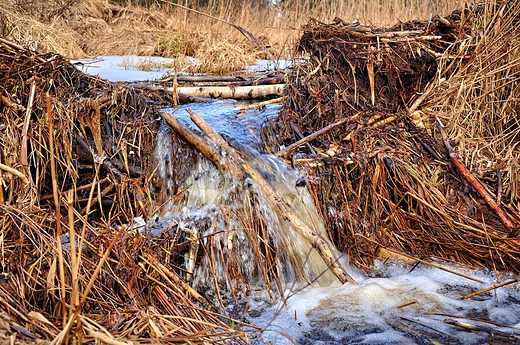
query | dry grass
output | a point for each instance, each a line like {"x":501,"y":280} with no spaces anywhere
{"x":76,"y":157}
{"x":78,"y":29}
{"x":387,"y":182}
{"x":477,"y":97}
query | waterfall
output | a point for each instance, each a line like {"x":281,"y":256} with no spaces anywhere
{"x":241,"y":239}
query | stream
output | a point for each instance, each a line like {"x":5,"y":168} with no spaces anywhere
{"x":392,"y":304}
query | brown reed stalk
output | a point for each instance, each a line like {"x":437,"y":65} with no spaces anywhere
{"x":55,"y":193}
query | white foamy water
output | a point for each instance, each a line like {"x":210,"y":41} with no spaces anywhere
{"x":397,"y":308}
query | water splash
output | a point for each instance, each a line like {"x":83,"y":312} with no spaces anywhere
{"x":238,"y":230}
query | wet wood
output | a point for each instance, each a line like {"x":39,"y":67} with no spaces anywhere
{"x":202,"y":145}
{"x":262,"y":104}
{"x":300,"y":135}
{"x":477,"y":184}
{"x":321,"y":244}
{"x":496,"y":286}
{"x":289,"y":149}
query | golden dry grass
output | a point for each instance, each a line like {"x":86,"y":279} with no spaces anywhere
{"x":99,"y":27}
{"x":480,"y":102}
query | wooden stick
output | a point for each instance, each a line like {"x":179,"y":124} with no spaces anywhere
{"x":421,"y":98}
{"x":476,"y":183}
{"x":202,"y":145}
{"x":262,"y":104}
{"x":499,"y":186}
{"x":161,"y":269}
{"x":496,"y":286}
{"x":24,"y":159}
{"x":55,"y":194}
{"x":316,"y":240}
{"x":289,"y":149}
{"x":14,"y":172}
{"x":50,"y":196}
{"x":238,"y":92}
{"x":300,"y":135}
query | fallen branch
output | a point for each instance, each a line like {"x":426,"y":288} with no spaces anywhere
{"x":496,"y":286}
{"x":202,"y":145}
{"x":239,"y":92}
{"x":476,"y":183}
{"x":262,"y":104}
{"x":14,"y":172}
{"x":300,"y":135}
{"x":289,"y":149}
{"x":317,"y":241}
{"x":27,"y":121}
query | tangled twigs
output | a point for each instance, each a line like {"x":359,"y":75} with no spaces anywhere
{"x":476,"y":183}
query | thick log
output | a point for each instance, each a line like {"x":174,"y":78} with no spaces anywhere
{"x":202,"y":145}
{"x":321,"y":244}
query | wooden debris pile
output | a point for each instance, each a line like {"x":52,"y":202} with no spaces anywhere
{"x":368,"y":98}
{"x":76,"y":162}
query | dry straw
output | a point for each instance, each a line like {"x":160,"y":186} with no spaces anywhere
{"x":65,"y":252}
{"x":383,"y":180}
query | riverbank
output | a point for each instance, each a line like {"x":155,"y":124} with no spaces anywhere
{"x":79,"y":29}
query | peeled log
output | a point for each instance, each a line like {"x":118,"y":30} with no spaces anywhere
{"x":238,"y":92}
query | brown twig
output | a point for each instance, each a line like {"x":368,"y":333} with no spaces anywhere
{"x":24,"y":159}
{"x":496,"y":286}
{"x":289,"y":149}
{"x":476,"y":183}
{"x":55,"y":194}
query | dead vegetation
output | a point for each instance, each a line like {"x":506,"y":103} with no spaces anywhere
{"x":76,"y":163}
{"x":383,"y":178}
{"x":81,"y":28}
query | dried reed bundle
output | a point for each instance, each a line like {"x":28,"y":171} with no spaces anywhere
{"x":381,"y":179}
{"x":477,"y":97}
{"x":76,"y":161}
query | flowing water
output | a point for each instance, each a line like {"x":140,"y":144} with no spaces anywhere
{"x":215,"y":201}
{"x":392,"y":304}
